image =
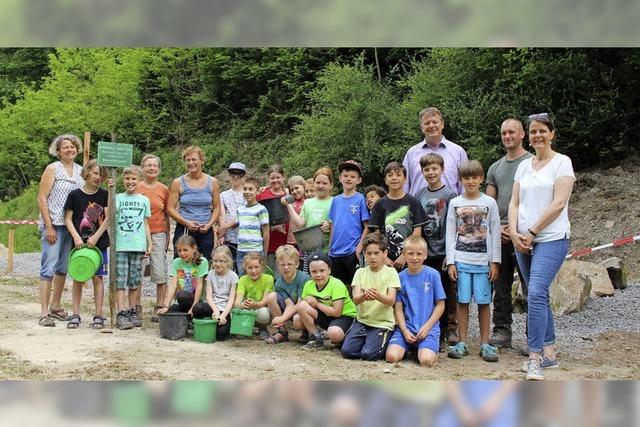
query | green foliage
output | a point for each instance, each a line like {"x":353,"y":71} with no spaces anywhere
{"x":24,"y":206}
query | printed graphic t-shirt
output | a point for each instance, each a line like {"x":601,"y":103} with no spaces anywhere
{"x":131,"y":210}
{"x":88,"y":213}
{"x":435,"y":205}
{"x":187,"y":273}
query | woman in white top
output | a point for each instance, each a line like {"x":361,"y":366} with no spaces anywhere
{"x":540,"y":231}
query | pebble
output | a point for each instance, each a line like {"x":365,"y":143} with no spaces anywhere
{"x":386,"y":370}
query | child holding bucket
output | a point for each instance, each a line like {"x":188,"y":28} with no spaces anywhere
{"x":277,"y":233}
{"x":86,"y":217}
{"x":220,"y":290}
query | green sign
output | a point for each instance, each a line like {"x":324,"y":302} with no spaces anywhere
{"x":115,"y":155}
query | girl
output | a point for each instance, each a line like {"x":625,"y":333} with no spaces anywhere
{"x":277,"y":233}
{"x":296,"y":189}
{"x":187,"y":273}
{"x":221,"y":290}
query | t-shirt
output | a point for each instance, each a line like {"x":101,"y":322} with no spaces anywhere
{"x":158,"y":196}
{"x":315,"y":211}
{"x":276,"y":238}
{"x":131,"y":210}
{"x":250,"y":222}
{"x":88,"y":213}
{"x":375,"y":313}
{"x":501,"y":175}
{"x":347,"y":215}
{"x":186,"y":273}
{"x":255,"y":289}
{"x":398,"y":217}
{"x":418,"y":294}
{"x":435,"y":204}
{"x":334,"y":290}
{"x":221,"y":287}
{"x":231,"y":201}
{"x":292,"y":290}
{"x":536,"y":194}
{"x":473,"y":231}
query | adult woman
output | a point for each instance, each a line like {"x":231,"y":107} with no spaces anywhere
{"x":58,"y":180}
{"x":540,"y":231}
{"x":194,"y":202}
{"x":158,"y":195}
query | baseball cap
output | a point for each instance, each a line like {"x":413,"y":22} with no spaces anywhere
{"x":320,"y":256}
{"x":350,"y":165}
{"x":237,"y":166}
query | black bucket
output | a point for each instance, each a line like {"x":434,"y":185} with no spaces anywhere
{"x":173,"y":326}
{"x":278,"y":213}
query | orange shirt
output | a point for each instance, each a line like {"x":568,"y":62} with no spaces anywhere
{"x":158,"y":196}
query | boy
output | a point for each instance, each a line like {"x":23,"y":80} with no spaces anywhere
{"x":419,"y":305}
{"x":324,"y":303}
{"x":349,"y":217}
{"x":133,"y":241}
{"x":374,"y":292}
{"x":473,"y":255}
{"x":309,"y":190}
{"x":372,"y":194}
{"x":288,"y":290}
{"x":253,"y":224}
{"x":397,"y":215}
{"x":232,"y":199}
{"x":434,"y":199}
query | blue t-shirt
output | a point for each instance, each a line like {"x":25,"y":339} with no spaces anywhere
{"x":347,"y":215}
{"x":294,"y":289}
{"x":418,"y":294}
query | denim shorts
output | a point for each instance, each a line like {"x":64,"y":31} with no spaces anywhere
{"x":55,"y":257}
{"x":473,"y":281}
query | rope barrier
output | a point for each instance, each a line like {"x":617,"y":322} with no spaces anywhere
{"x":615,"y":244}
{"x":20,"y":221}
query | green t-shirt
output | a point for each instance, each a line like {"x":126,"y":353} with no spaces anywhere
{"x":315,"y":211}
{"x":334,"y":290}
{"x":187,"y":273}
{"x":374,"y":313}
{"x":255,"y":289}
{"x":131,"y":211}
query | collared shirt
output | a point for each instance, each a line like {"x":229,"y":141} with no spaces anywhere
{"x":453,"y":155}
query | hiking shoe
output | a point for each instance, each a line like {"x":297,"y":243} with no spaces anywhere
{"x":458,"y":351}
{"x":500,"y":339}
{"x":264,"y":334}
{"x":134,"y":318}
{"x":313,"y":345}
{"x":489,"y":353}
{"x":544,"y":364}
{"x":534,"y":371}
{"x":452,"y":338}
{"x":122,"y":320}
{"x":304,"y":337}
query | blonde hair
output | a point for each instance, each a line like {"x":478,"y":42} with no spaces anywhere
{"x":416,"y":240}
{"x":86,"y":170}
{"x":253,"y":256}
{"x":191,"y":150}
{"x":287,"y":251}
{"x":296,"y":180}
{"x":54,"y":147}
{"x":224,"y":251}
{"x":133,"y":170}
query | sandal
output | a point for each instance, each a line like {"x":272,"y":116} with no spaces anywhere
{"x":74,"y":322}
{"x":98,"y":322}
{"x":278,"y":337}
{"x":59,"y":313}
{"x":47,"y":321}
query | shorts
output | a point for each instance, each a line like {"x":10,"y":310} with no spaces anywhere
{"x":431,"y":341}
{"x":55,"y":256}
{"x":128,"y":269}
{"x":473,"y":281}
{"x":342,"y":322}
{"x":158,"y":258}
{"x":104,"y":267}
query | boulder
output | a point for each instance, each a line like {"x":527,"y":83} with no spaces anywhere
{"x":617,"y":273}
{"x":570,"y":289}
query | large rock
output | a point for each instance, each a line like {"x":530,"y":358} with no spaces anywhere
{"x":571,"y":288}
{"x":617,"y":273}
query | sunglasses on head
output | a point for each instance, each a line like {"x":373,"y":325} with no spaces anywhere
{"x":539,"y":116}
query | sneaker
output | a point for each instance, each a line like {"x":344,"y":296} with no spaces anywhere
{"x":534,"y":371}
{"x":134,"y":317}
{"x":544,"y":364}
{"x":500,"y":338}
{"x":122,"y":321}
{"x":313,"y":345}
{"x":489,"y":353}
{"x":458,"y":351}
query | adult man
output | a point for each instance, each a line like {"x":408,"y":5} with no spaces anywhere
{"x":432,"y":124}
{"x":499,"y":185}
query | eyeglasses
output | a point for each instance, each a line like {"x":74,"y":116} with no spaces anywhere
{"x":539,"y":116}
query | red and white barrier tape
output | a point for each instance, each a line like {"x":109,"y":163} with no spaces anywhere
{"x":614,"y":244}
{"x":20,"y":221}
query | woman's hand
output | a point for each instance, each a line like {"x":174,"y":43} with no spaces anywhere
{"x":520,"y":243}
{"x":192,"y":226}
{"x":204,"y":228}
{"x":51,"y":235}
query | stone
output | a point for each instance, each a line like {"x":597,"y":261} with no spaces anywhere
{"x":601,"y":285}
{"x":609,"y":224}
{"x":570,"y":289}
{"x":617,"y":272}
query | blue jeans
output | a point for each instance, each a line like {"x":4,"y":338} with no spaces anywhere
{"x":54,"y":257}
{"x":539,"y":269}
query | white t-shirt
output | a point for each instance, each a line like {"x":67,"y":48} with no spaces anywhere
{"x":536,"y":194}
{"x":221,"y":286}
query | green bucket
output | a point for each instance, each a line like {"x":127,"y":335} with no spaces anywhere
{"x":242,"y":322}
{"x":84,"y":262}
{"x":204,"y":330}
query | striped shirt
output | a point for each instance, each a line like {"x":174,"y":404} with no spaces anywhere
{"x":250,"y":222}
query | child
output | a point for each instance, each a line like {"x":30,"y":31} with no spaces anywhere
{"x":435,"y":201}
{"x":374,"y":291}
{"x":309,"y":189}
{"x":133,"y":241}
{"x":473,"y":255}
{"x":277,"y":233}
{"x":256,"y":292}
{"x":324,"y":303}
{"x":296,"y":188}
{"x":372,"y":194}
{"x":86,"y":217}
{"x":253,"y":224}
{"x":186,"y":274}
{"x":288,"y":290}
{"x":231,"y":200}
{"x":220,"y":290}
{"x":397,"y":215}
{"x":349,"y":217}
{"x":419,"y":305}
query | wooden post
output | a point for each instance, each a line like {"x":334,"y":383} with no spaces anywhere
{"x":86,"y":150}
{"x":10,"y":244}
{"x":113,"y":174}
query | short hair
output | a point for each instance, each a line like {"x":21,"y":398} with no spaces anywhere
{"x":375,"y":238}
{"x":326,"y":171}
{"x":296,"y":180}
{"x":275,"y":168}
{"x":430,"y":111}
{"x":395,"y":166}
{"x":252,"y":180}
{"x":379,"y":190}
{"x":252,"y":256}
{"x":133,"y":170}
{"x":54,"y":147}
{"x":86,"y":169}
{"x":287,"y":251}
{"x":431,"y":158}
{"x":470,"y":168}
{"x":191,"y":150}
{"x":149,"y":157}
{"x":416,"y":240}
{"x":513,"y":119}
{"x":543,"y":118}
{"x":224,"y":251}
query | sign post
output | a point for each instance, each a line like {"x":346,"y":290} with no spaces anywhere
{"x":113,"y":156}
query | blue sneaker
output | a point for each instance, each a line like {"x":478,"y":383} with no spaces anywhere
{"x":489,"y":353}
{"x":458,"y":351}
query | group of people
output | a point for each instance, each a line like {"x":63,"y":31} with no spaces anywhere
{"x":395,"y":271}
